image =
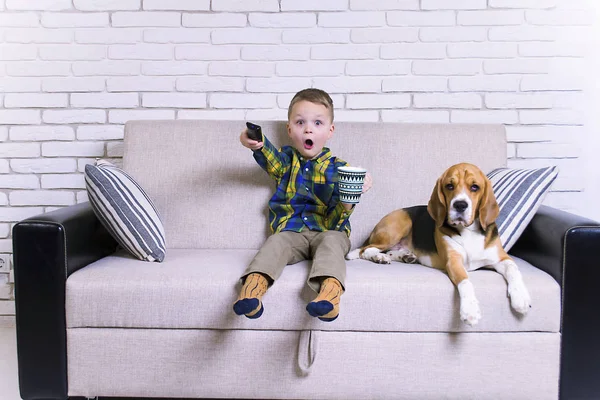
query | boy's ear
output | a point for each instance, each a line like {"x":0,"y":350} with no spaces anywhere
{"x":331,"y":131}
{"x":288,"y":129}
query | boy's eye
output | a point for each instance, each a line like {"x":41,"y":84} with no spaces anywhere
{"x":299,"y":122}
{"x":318,"y":122}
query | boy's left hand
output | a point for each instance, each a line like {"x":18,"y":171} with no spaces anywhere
{"x":367,"y":183}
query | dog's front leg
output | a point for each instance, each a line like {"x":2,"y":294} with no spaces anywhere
{"x":470,"y":313}
{"x":520,"y":300}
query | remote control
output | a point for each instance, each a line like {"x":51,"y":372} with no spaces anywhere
{"x":254,"y":131}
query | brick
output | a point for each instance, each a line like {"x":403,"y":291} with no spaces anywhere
{"x":7,"y":308}
{"x":519,"y":100}
{"x":482,"y":50}
{"x":276,"y":85}
{"x":219,"y":115}
{"x":207,"y":52}
{"x":245,"y":5}
{"x":178,"y":5}
{"x":139,"y":84}
{"x":38,"y":35}
{"x":555,"y":82}
{"x":20,"y":117}
{"x":544,"y":133}
{"x":19,"y":150}
{"x":523,"y":3}
{"x":446,"y":67}
{"x":8,"y":19}
{"x":19,"y":182}
{"x":177,"y":35}
{"x":415,"y":116}
{"x":282,"y":20}
{"x":41,"y":133}
{"x":174,"y":100}
{"x":440,"y":100}
{"x":348,"y":52}
{"x":551,"y":117}
{"x":551,"y":49}
{"x":37,"y":197}
{"x":146,"y":18}
{"x":16,"y":214}
{"x":210,"y":84}
{"x":316,"y":35}
{"x":3,"y":133}
{"x":17,"y":52}
{"x":453,"y":5}
{"x":82,"y":196}
{"x":43,"y":165}
{"x":122,"y":116}
{"x":560,"y":17}
{"x":488,"y":83}
{"x":140,"y":52}
{"x":517,"y":66}
{"x":415,"y":84}
{"x":453,"y":34}
{"x":63,"y":181}
{"x":314,"y":5}
{"x":384,"y":5}
{"x":384,"y":35}
{"x":378,"y":67}
{"x":413,"y":51}
{"x":107,"y":5}
{"x":4,"y":167}
{"x":38,"y":68}
{"x":242,"y":100}
{"x":236,"y":68}
{"x":548,"y":150}
{"x":377,"y":101}
{"x":522,"y":33}
{"x":314,"y":68}
{"x":106,"y":68}
{"x":104,"y":100}
{"x":35,"y":100}
{"x":72,"y":52}
{"x":73,"y":84}
{"x":246,"y":36}
{"x":3,"y":202}
{"x":74,"y":20}
{"x":214,"y":20}
{"x":357,"y":115}
{"x":38,"y":5}
{"x":351,"y":19}
{"x":72,"y":149}
{"x":20,"y":85}
{"x":108,"y":35}
{"x":74,"y":116}
{"x":508,"y":17}
{"x":267,"y":115}
{"x":276,"y":53}
{"x":174,"y":68}
{"x":349,"y":84}
{"x":419,"y":18}
{"x":100,"y":132}
{"x":484,"y":117}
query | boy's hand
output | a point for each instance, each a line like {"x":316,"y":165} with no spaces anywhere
{"x":367,"y":183}
{"x":249,"y":143}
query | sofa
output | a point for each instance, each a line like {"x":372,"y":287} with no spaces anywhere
{"x":92,"y":320}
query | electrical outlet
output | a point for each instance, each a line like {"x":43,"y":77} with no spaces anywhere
{"x":4,"y":262}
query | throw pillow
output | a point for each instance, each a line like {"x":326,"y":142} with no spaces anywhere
{"x":519,"y":193}
{"x":125,"y":211}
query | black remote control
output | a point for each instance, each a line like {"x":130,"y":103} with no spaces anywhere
{"x":254,"y":131}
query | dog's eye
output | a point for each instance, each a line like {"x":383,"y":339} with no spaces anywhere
{"x":450,"y":186}
{"x":474,"y":188}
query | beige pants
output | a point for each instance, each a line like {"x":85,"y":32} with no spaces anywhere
{"x":326,"y":249}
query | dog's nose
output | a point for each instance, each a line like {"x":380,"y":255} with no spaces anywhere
{"x":460,"y":205}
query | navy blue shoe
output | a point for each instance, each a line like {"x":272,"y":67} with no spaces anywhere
{"x":319,"y":308}
{"x":245,"y":306}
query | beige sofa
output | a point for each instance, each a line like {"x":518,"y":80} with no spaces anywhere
{"x":116,"y":326}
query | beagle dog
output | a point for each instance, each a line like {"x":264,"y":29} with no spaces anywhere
{"x":456,"y":233}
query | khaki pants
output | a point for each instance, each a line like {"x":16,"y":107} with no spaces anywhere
{"x":326,"y":249}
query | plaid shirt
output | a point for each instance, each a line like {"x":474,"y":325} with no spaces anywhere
{"x":307,"y":190}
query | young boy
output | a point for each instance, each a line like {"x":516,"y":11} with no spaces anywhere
{"x":307,"y":219}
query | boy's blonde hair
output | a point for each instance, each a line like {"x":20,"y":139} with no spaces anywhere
{"x":312,"y":95}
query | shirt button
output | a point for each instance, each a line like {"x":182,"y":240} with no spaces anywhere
{"x":307,"y":189}
{"x":306,"y":169}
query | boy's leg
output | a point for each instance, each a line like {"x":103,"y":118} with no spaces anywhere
{"x":279,"y":250}
{"x":328,"y":273}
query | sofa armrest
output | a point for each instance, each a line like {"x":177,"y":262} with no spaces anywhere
{"x":564,"y":245}
{"x":48,"y":248}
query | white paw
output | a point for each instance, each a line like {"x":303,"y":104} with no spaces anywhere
{"x":470,"y":313}
{"x":519,"y":297}
{"x":353,"y":255}
{"x":382,"y":258}
{"x":402,"y":255}
{"x":373,"y":254}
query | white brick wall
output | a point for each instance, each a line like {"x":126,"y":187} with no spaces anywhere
{"x":72,"y":72}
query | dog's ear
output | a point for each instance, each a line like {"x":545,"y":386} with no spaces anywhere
{"x":488,"y":206}
{"x":437,"y":204}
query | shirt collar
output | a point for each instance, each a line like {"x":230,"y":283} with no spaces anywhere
{"x":325,"y":155}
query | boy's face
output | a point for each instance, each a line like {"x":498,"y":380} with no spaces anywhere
{"x":309,"y":128}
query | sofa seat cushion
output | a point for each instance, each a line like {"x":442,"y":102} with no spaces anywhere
{"x":195,"y":289}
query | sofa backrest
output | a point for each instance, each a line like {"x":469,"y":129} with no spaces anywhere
{"x":212,"y":194}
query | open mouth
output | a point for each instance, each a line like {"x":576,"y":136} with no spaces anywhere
{"x":308,"y":144}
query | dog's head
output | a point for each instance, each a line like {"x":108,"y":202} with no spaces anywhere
{"x":462,"y":194}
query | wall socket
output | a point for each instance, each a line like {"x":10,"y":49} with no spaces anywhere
{"x":4,"y":262}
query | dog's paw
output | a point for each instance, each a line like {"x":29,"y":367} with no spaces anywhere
{"x":520,"y":300}
{"x":470,"y":313}
{"x":373,"y":254}
{"x":353,"y":255}
{"x":404,"y":256}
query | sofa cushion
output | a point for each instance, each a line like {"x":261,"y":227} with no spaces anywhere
{"x":519,"y":193}
{"x":196,"y":288}
{"x":125,"y":210}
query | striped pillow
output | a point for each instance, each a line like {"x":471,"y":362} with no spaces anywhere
{"x":519,"y":193}
{"x":125,"y":211}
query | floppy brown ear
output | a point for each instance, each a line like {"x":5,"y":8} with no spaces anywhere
{"x":437,"y":204}
{"x":488,"y":206}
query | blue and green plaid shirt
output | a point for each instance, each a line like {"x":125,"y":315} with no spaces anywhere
{"x":307,"y":190}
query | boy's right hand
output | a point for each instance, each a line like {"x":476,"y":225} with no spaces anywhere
{"x":250,"y":143}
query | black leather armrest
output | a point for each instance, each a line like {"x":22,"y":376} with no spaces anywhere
{"x":46,"y":250}
{"x":565,"y":245}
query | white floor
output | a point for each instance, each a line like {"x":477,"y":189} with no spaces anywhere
{"x":9,"y":381}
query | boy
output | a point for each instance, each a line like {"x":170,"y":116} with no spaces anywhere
{"x":307,"y":219}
